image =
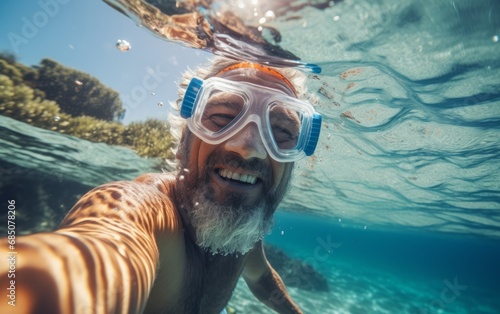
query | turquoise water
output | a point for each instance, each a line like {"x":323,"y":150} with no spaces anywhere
{"x":405,"y":184}
{"x":393,"y":271}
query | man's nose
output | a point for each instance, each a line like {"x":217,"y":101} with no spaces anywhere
{"x":247,"y":143}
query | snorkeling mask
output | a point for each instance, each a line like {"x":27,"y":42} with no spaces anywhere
{"x":216,"y":109}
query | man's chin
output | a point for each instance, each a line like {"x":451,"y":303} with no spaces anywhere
{"x":229,"y":229}
{"x":236,"y":203}
{"x":224,"y":240}
{"x":237,"y":246}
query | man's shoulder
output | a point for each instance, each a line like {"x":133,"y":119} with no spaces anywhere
{"x":148,"y":197}
{"x":141,"y":188}
{"x":164,"y":181}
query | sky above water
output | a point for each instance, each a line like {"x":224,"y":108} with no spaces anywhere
{"x":83,"y":35}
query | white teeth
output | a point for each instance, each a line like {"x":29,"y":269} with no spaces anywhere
{"x":247,"y":178}
{"x":223,"y":173}
{"x":244,"y":177}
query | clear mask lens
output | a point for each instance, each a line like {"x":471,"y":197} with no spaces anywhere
{"x":222,"y":110}
{"x":285,"y":124}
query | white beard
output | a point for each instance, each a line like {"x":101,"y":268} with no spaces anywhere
{"x":227,"y":230}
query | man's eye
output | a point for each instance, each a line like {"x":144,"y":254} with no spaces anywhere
{"x":221,"y":120}
{"x":284,"y":137}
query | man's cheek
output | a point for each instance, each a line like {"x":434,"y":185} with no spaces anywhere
{"x":282,"y":174}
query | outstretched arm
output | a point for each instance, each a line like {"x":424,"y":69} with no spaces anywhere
{"x":63,"y":273}
{"x":266,"y":284}
{"x":102,"y":260}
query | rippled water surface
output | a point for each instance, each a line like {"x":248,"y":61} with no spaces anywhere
{"x":409,"y":90}
{"x":406,"y":175}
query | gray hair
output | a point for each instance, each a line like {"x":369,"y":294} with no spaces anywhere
{"x":216,"y":65}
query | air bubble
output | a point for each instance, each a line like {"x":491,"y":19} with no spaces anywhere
{"x":282,"y":232}
{"x":160,"y":104}
{"x":123,"y":45}
{"x":270,"y":14}
{"x":495,"y":38}
{"x":57,"y":118}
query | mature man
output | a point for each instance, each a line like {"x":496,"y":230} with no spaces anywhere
{"x":177,"y":243}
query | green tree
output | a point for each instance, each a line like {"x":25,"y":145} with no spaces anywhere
{"x":94,"y":130}
{"x":11,"y":71}
{"x":21,"y":103}
{"x":16,"y":71}
{"x":77,"y":93}
{"x":8,"y":56}
{"x":151,"y":138}
{"x":20,"y":99}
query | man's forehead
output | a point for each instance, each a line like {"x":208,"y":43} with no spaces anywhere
{"x":258,"y":77}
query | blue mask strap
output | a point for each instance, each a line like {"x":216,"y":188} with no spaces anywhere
{"x":312,"y":141}
{"x":189,"y":102}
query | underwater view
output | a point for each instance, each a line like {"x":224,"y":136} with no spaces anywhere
{"x":397,"y":211}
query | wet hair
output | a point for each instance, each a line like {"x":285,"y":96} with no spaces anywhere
{"x":214,"y":66}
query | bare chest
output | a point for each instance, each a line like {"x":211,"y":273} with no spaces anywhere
{"x":209,"y":284}
{"x":202,"y":284}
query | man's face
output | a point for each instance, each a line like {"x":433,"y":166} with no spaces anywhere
{"x":232,"y":189}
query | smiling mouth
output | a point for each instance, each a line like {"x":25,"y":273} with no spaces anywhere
{"x":233,"y":176}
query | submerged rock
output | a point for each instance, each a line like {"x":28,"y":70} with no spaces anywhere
{"x":295,"y":272}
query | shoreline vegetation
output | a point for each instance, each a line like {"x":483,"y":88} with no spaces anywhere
{"x":61,"y":99}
